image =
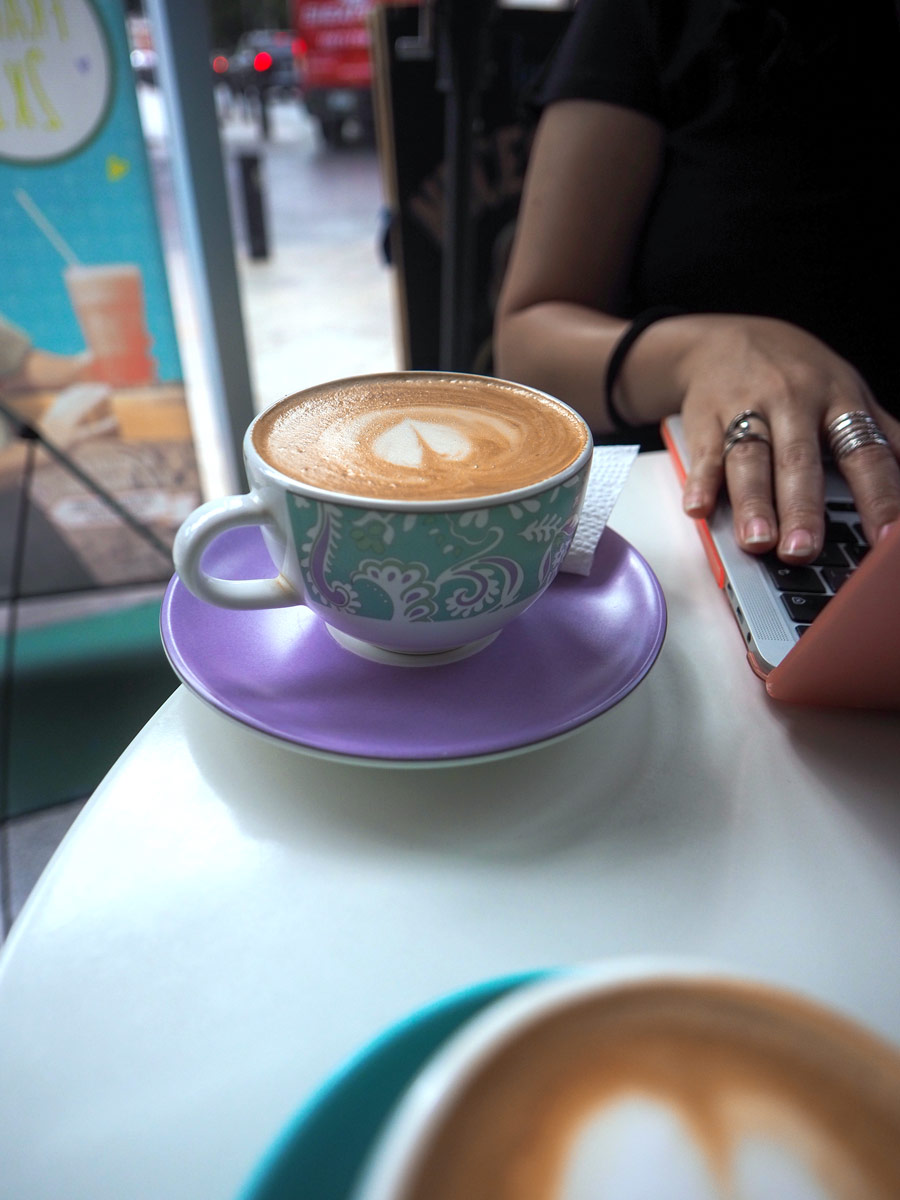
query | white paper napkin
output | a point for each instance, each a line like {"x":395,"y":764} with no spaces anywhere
{"x":609,"y":470}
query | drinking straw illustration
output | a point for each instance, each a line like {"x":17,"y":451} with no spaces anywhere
{"x":50,"y":233}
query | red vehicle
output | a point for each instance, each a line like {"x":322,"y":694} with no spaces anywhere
{"x":332,"y":42}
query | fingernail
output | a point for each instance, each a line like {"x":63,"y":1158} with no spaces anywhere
{"x":885,"y":530}
{"x":693,"y":500}
{"x":757,"y":532}
{"x":798,"y":544}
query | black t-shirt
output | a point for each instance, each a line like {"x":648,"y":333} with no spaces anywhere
{"x":780,"y":193}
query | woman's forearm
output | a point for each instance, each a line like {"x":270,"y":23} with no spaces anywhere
{"x":591,"y":178}
{"x":564,"y":349}
{"x":560,"y":348}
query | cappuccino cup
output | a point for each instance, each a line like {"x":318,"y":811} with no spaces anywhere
{"x":638,"y":1081}
{"x":415,"y":513}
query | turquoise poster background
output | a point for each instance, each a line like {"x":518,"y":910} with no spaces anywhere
{"x":89,"y":356}
{"x":71,"y":143}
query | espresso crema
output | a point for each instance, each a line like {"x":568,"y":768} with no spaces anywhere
{"x":420,"y":437}
{"x":577,"y":1105}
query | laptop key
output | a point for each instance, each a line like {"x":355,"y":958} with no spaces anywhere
{"x":838,"y":531}
{"x":803,"y":608}
{"x":793,"y":579}
{"x":836,"y":576}
{"x":832,"y":556}
{"x":857,"y":552}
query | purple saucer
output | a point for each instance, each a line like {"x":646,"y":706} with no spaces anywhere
{"x":583,"y":647}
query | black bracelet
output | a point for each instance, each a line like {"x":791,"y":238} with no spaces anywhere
{"x":621,"y":348}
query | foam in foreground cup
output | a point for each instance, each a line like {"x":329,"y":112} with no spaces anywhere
{"x":666,"y":1091}
{"x":638,"y":1148}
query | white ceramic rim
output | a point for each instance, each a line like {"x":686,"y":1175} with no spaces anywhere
{"x":289,"y":484}
{"x":400,"y":1148}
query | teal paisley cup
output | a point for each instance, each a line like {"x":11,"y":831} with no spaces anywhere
{"x":399,"y":578}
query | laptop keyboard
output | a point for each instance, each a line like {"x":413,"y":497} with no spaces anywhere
{"x":806,"y":590}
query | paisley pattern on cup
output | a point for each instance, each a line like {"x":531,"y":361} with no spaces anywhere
{"x":430,"y":566}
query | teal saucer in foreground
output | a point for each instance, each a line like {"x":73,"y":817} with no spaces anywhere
{"x":320,"y":1153}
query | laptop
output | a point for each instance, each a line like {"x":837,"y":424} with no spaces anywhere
{"x":825,"y":634}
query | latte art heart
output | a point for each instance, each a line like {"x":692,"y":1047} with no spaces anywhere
{"x":409,"y":443}
{"x":426,"y":438}
{"x":420,"y":437}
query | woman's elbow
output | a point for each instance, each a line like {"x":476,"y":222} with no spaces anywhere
{"x":512,"y":359}
{"x":504,"y":354}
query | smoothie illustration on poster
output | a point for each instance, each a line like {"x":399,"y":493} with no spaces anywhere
{"x":88,"y":349}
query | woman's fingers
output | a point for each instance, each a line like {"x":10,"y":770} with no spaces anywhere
{"x":704,"y":478}
{"x":740,"y":455}
{"x":777,"y":491}
{"x":748,"y":472}
{"x":871,"y":469}
{"x":752,"y":381}
{"x":799,"y":480}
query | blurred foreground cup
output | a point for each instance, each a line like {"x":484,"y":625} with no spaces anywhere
{"x":646,"y":1080}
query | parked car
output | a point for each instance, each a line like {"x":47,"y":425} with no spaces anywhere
{"x":335,"y":62}
{"x":263,"y":61}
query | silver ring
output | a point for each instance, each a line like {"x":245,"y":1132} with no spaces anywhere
{"x":745,"y":427}
{"x":851,"y":431}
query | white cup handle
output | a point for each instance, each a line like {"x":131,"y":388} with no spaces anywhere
{"x":202,"y":527}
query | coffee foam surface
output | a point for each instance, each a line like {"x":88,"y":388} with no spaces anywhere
{"x":697,"y":1094}
{"x":419,"y":438}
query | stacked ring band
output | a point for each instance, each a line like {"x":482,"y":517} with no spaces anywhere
{"x":747,"y":426}
{"x":851,"y":431}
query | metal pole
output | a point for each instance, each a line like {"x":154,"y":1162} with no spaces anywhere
{"x":254,"y":207}
{"x":181,"y":35}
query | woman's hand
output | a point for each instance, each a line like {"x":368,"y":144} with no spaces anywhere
{"x":799,"y":386}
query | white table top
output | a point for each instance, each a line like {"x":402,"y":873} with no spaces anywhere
{"x":228,"y":919}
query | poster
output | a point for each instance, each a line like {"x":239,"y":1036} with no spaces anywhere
{"x":88,"y":348}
